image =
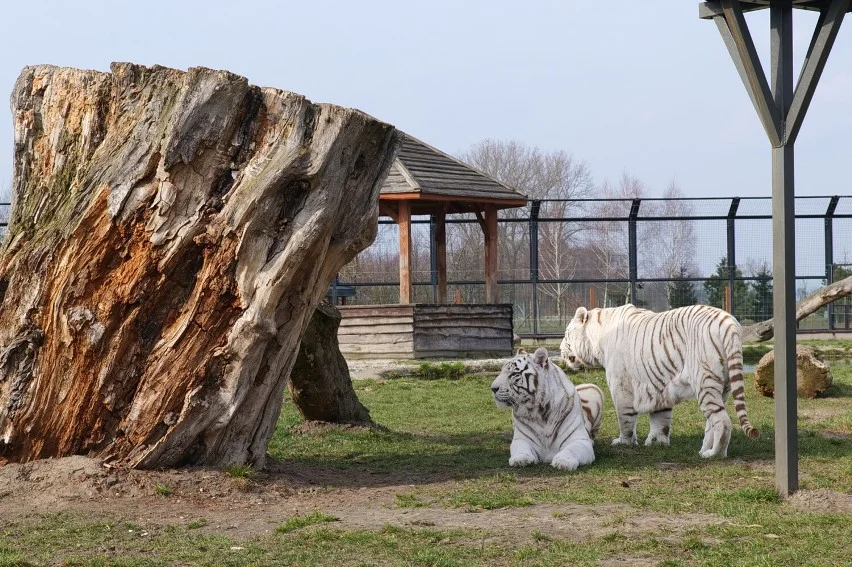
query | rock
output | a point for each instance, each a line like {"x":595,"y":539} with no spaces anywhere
{"x":812,"y":374}
{"x":171,"y":235}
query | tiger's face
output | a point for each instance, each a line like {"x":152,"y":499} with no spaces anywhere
{"x":518,"y":381}
{"x":575,"y":333}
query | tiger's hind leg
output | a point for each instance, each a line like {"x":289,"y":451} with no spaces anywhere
{"x":717,"y":430}
{"x":661,"y":426}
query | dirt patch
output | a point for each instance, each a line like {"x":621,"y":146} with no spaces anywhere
{"x":316,"y":427}
{"x":822,"y":500}
{"x":245,"y":509}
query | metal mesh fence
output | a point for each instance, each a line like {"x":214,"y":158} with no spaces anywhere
{"x":557,"y":255}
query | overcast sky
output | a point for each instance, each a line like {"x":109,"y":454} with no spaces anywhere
{"x":641,"y":87}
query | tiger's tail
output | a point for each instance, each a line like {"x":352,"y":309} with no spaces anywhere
{"x":591,"y":402}
{"x":734,"y":348}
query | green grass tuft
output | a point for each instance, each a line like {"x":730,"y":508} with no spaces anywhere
{"x":298,"y":522}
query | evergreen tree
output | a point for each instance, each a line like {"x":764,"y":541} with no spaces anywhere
{"x":681,"y":293}
{"x":762,"y":294}
{"x":715,"y":289}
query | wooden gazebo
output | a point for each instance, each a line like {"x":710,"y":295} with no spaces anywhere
{"x":425,"y":181}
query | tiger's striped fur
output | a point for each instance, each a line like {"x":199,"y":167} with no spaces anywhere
{"x":546,"y":412}
{"x":655,"y":360}
{"x":592,"y":403}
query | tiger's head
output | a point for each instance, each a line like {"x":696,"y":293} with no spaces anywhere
{"x":518,"y":384}
{"x":576,"y":347}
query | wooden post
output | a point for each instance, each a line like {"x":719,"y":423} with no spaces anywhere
{"x":592,"y":299}
{"x":404,"y":222}
{"x":441,"y":253}
{"x":728,"y":307}
{"x":490,"y":232}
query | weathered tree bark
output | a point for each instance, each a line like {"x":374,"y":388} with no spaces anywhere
{"x":172,"y":233}
{"x":319,"y":384}
{"x":820,"y":298}
{"x":813,"y":377}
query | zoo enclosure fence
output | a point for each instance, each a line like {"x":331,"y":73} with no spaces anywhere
{"x":556,"y":255}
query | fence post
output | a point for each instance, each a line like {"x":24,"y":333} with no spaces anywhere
{"x":433,"y":256}
{"x":732,"y":250}
{"x":829,"y":254}
{"x":535,"y":207}
{"x":633,"y":270}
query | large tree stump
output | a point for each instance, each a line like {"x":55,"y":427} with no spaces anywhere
{"x":813,"y":377}
{"x":319,"y":384}
{"x":172,"y":233}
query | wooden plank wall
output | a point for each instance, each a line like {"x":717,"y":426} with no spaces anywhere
{"x":377,"y":331}
{"x":462,"y":330}
{"x":425,"y":331}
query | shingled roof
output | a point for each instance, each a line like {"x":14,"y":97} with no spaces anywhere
{"x":424,"y":173}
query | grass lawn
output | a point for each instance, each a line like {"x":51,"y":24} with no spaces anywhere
{"x":449,"y":432}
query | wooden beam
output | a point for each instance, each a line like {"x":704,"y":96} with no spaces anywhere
{"x":830,"y":18}
{"x":441,"y":253}
{"x":481,"y":220}
{"x":387,"y":210}
{"x":503,"y":203}
{"x":734,"y":30}
{"x":490,"y":231}
{"x":404,"y":222}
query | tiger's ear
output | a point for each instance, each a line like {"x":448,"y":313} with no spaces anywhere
{"x":581,"y":316}
{"x":540,"y":357}
{"x":520,"y":351}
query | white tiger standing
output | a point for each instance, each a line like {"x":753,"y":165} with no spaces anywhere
{"x":655,"y":360}
{"x":546,"y":413}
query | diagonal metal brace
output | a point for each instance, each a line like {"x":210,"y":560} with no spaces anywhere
{"x":734,"y":30}
{"x":830,"y":18}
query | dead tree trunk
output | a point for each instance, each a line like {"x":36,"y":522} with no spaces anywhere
{"x":818,"y":299}
{"x":172,"y":233}
{"x":320,"y":384}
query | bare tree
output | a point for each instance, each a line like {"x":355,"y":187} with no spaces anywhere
{"x":675,"y":239}
{"x":539,"y":175}
{"x":611,"y":239}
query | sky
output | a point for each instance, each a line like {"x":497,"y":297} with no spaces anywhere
{"x":639,"y":87}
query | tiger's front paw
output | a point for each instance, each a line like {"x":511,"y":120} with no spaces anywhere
{"x":564,"y":463}
{"x":522,"y":460}
{"x":625,"y":441}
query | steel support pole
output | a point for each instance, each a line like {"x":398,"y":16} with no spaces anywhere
{"x":784,"y":256}
{"x":535,"y":207}
{"x":829,"y":254}
{"x":732,"y":249}
{"x":632,"y":256}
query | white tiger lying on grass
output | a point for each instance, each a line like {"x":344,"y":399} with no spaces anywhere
{"x":655,"y":360}
{"x":552,"y":424}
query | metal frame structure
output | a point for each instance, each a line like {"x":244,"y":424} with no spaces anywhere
{"x":632,"y":218}
{"x":781,"y":110}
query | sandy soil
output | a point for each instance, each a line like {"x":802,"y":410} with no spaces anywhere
{"x":83,"y":485}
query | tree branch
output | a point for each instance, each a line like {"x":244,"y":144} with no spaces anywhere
{"x":820,"y":298}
